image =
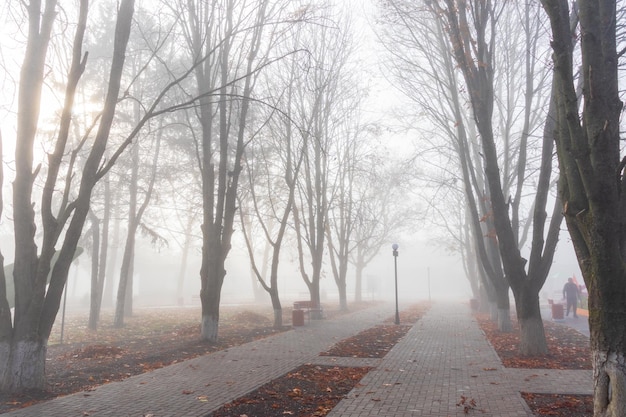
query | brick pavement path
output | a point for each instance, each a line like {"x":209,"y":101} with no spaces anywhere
{"x":198,"y":386}
{"x":443,"y":357}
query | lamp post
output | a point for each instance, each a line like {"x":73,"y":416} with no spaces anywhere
{"x":395,"y":266}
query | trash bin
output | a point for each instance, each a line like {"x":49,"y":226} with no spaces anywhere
{"x":297,"y":317}
{"x":557,"y":311}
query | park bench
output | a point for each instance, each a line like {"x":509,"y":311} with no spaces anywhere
{"x":313,"y":311}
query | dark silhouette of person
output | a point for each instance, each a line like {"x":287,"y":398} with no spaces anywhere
{"x":571,"y":294}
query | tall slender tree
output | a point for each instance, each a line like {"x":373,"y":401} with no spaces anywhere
{"x":227,"y":45}
{"x":318,"y":100}
{"x":473,"y":28}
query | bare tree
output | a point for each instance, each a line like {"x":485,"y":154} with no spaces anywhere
{"x":459,"y":41}
{"x":422,"y":63}
{"x":472,"y":28}
{"x":592,"y":184}
{"x":351,"y":183}
{"x":318,"y":100}
{"x":64,"y":204}
{"x":136,"y":210}
{"x":381,"y":211}
{"x":23,"y":342}
{"x":271,"y":167}
{"x":227,"y":42}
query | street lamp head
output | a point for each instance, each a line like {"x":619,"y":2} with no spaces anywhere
{"x":394,"y":246}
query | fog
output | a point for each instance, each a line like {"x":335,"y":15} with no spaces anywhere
{"x":425,"y":271}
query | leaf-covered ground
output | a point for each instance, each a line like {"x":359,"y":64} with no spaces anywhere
{"x":158,"y":337}
{"x":151,"y":339}
{"x":308,"y":391}
{"x":370,"y":343}
{"x":312,"y":390}
{"x":559,"y":405}
{"x":568,"y":350}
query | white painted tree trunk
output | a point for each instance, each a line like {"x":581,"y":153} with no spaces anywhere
{"x":609,"y":384}
{"x":532,"y":338}
{"x":493,"y":311}
{"x":504,"y":320}
{"x":23,"y":366}
{"x":209,"y":327}
{"x":278,"y":317}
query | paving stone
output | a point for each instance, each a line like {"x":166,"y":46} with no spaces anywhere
{"x":442,"y":359}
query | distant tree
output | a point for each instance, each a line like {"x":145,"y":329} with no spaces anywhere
{"x":350,"y":194}
{"x":423,"y":66}
{"x":350,"y":149}
{"x":271,"y":168}
{"x":473,"y":29}
{"x":227,"y":45}
{"x":318,"y":101}
{"x":123,"y":306}
{"x":381,"y":211}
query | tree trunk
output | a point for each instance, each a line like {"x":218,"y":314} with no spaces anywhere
{"x":593,"y":185}
{"x":96,"y":295}
{"x":212,"y":275}
{"x":100,"y":252}
{"x":109,"y":281}
{"x":124,"y":285}
{"x":104,"y":248}
{"x":609,"y":383}
{"x":183,"y":263}
{"x":343,"y":296}
{"x":278,"y":309}
{"x":358,"y":286}
{"x":24,"y":365}
{"x":314,"y":290}
{"x":532,"y":336}
{"x":504,"y":312}
{"x":210,"y":325}
{"x":607,"y":314}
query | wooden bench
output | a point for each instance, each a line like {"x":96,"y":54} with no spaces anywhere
{"x":310,"y":309}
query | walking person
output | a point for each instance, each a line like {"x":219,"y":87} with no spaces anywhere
{"x":571,"y":294}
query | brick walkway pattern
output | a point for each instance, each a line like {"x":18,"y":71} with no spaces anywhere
{"x":442,"y":359}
